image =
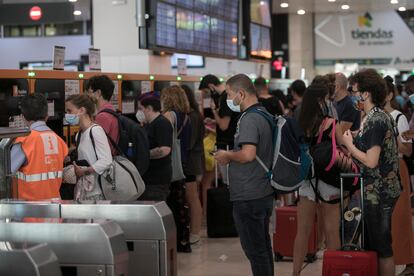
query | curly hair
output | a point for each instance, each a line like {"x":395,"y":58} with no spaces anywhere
{"x":173,"y":98}
{"x":370,"y":81}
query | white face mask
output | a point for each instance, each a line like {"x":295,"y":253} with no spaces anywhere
{"x":140,"y":116}
{"x":232,"y":106}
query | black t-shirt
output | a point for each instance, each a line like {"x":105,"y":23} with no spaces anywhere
{"x":272,"y":105}
{"x":347,"y":112}
{"x":159,"y":133}
{"x":226,"y":137}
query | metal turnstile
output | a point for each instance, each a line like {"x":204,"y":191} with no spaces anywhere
{"x":149,"y":229}
{"x":83,"y":247}
{"x":23,"y":259}
{"x":14,"y":208}
{"x":7,"y":136}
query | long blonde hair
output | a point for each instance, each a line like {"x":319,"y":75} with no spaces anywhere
{"x":173,"y":98}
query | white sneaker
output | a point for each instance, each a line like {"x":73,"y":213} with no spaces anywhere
{"x":194,"y":239}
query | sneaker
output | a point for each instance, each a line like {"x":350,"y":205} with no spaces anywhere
{"x":194,"y":239}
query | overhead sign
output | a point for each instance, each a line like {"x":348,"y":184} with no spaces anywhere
{"x":182,"y":66}
{"x":59,"y":58}
{"x":94,"y":59}
{"x":21,"y":14}
{"x":35,"y":13}
{"x":371,"y":38}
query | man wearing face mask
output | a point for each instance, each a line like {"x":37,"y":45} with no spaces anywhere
{"x":102,"y":88}
{"x":226,"y":118}
{"x":37,"y":159}
{"x":159,"y":130}
{"x":250,"y":190}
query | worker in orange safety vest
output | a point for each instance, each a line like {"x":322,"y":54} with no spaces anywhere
{"x":37,"y":159}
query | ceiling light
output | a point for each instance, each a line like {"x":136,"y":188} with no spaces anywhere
{"x":284,"y":5}
{"x":394,"y":1}
{"x":331,"y":0}
{"x":402,"y":9}
{"x":77,"y":12}
{"x":345,"y":7}
{"x":301,"y":12}
{"x":73,"y":0}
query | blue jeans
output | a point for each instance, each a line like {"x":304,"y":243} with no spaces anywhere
{"x":251,"y":218}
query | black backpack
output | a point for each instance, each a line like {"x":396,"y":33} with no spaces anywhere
{"x":131,"y":132}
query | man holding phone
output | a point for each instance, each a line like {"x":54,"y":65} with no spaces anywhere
{"x":226,"y":119}
{"x":250,"y":190}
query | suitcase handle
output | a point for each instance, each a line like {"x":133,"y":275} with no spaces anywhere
{"x":350,"y":175}
{"x":361,"y":178}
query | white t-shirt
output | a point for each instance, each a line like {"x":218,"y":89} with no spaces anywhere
{"x":103,"y":151}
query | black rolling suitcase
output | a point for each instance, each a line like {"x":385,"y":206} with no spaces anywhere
{"x":220,"y":221}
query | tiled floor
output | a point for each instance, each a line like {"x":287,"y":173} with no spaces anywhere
{"x":225,"y":257}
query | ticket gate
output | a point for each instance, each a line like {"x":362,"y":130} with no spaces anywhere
{"x":83,"y":247}
{"x":23,"y":259}
{"x":149,"y":228}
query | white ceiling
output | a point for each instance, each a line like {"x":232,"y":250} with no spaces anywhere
{"x":321,"y":6}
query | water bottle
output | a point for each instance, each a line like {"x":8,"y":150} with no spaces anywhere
{"x":130,"y":152}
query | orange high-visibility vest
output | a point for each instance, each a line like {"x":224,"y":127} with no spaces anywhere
{"x":41,"y":177}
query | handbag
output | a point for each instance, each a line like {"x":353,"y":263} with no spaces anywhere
{"x":330,"y":160}
{"x":121,"y":180}
{"x":177,"y":166}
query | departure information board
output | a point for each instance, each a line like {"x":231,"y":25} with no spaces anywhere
{"x":205,"y":27}
{"x":260,"y":27}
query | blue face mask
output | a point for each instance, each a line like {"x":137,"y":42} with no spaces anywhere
{"x":232,"y":106}
{"x":411,"y":97}
{"x":355,"y":99}
{"x":72,"y":119}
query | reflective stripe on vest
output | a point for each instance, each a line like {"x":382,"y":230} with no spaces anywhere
{"x":39,"y":176}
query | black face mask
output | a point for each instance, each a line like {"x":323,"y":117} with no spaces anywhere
{"x":214,"y":94}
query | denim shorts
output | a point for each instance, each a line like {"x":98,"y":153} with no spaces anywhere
{"x":378,"y":226}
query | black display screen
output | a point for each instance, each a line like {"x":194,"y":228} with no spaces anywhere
{"x":260,"y":41}
{"x":205,"y":27}
{"x":260,"y":26}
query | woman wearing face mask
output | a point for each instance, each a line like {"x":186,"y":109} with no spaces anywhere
{"x":375,"y":148}
{"x":314,"y":119}
{"x":93,"y":156}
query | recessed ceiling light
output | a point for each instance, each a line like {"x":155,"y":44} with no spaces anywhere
{"x":77,"y":12}
{"x":284,"y":5}
{"x":73,"y":0}
{"x":402,"y":9}
{"x":345,"y":7}
{"x":301,"y":12}
{"x":394,"y":1}
{"x":331,"y":0}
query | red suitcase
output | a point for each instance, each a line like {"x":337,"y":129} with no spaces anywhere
{"x":350,"y":262}
{"x":285,"y":233}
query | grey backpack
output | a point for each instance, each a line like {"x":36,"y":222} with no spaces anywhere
{"x":121,"y":181}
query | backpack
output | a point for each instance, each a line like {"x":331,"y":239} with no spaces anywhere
{"x":330,"y":160}
{"x":131,"y":132}
{"x":121,"y":181}
{"x":291,"y":158}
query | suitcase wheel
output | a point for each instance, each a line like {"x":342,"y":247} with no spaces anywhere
{"x":310,"y":258}
{"x":278,"y":257}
